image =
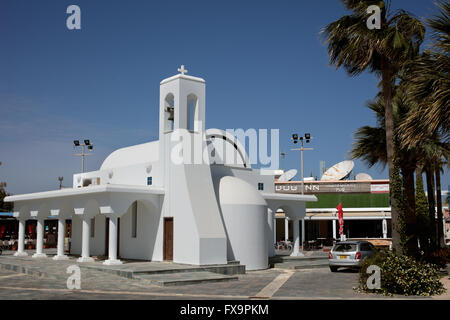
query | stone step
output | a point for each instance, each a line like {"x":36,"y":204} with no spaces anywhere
{"x":229,"y":269}
{"x":184,"y":278}
{"x":280,"y":259}
{"x":296,"y":265}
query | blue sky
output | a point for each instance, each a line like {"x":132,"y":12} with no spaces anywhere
{"x":264,"y":63}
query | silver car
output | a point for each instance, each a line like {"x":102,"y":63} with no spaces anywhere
{"x":349,"y":254}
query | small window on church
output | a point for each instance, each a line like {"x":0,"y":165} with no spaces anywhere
{"x":92,"y":227}
{"x":149,"y":181}
{"x":169,"y":110}
{"x":192,"y":112}
{"x":260,"y":186}
{"x":134,"y":220}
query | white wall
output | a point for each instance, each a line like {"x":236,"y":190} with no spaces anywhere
{"x":247,"y":236}
{"x":97,"y":244}
{"x":76,"y":235}
{"x":143,"y":246}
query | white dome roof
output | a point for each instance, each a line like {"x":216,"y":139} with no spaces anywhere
{"x":141,"y":153}
{"x":233,"y":190}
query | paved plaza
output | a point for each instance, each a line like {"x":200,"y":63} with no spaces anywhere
{"x":28,"y":278}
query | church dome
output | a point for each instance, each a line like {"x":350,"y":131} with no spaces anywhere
{"x":233,"y":190}
{"x":141,"y":153}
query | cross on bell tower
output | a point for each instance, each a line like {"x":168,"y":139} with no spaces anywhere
{"x":182,"y":70}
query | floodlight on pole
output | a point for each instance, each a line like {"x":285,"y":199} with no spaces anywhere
{"x":307,"y":138}
{"x":282,"y":156}
{"x":83,"y":153}
{"x":60,"y":179}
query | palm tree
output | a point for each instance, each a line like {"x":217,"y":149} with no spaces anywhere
{"x":370,"y":146}
{"x":428,"y":83}
{"x":354,"y":47}
{"x":433,"y":157}
{"x":427,"y":80}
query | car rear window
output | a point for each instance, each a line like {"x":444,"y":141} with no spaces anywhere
{"x":345,"y":247}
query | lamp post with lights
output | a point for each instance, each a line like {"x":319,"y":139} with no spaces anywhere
{"x":86,"y":143}
{"x":307,"y":138}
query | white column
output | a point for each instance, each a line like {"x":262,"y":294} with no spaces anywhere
{"x":286,"y":229}
{"x":60,"y":246}
{"x":296,"y":228}
{"x":112,"y":250}
{"x":303,"y":233}
{"x":334,"y":228}
{"x":39,"y":239}
{"x":270,"y":232}
{"x":384,"y":228}
{"x":86,"y":233}
{"x":21,"y":240}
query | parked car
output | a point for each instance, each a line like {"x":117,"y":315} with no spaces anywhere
{"x":349,"y":254}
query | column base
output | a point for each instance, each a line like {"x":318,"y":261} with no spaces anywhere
{"x":60,"y":257}
{"x":110,"y":262}
{"x":85,"y":259}
{"x":20,"y":254}
{"x":39,"y":255}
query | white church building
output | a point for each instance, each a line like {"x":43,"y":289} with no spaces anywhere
{"x":157,"y":209}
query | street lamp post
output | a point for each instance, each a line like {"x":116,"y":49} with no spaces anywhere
{"x":307,"y":138}
{"x":60,"y":179}
{"x":86,"y":143}
{"x":282,"y":156}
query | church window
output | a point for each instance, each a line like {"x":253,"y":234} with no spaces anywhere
{"x":134,"y":220}
{"x":169,"y":112}
{"x":92,"y":227}
{"x":260,"y":186}
{"x":192,"y":105}
{"x":149,"y":181}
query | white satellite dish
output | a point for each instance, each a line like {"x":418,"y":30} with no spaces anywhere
{"x":339,"y":171}
{"x":363,"y":176}
{"x":288,"y":175}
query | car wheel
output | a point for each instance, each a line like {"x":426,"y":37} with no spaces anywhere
{"x":333,"y":269}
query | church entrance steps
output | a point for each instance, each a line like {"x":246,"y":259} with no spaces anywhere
{"x":297,"y":265}
{"x":315,"y":260}
{"x":184,"y":278}
{"x":132,"y":269}
{"x":138,"y":269}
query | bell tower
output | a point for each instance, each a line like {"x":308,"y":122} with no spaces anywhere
{"x":189,"y":197}
{"x":182,"y":103}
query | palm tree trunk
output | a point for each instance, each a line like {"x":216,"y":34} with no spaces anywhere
{"x":389,"y":124}
{"x":431,"y":206}
{"x":410,"y":211}
{"x":440,"y":222}
{"x":421,"y":211}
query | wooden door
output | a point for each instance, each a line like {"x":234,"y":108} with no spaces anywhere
{"x":168,"y":239}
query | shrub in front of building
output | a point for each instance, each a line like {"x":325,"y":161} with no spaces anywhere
{"x":439,"y":257}
{"x":402,"y":275}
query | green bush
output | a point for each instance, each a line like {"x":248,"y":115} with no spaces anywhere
{"x":402,"y":275}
